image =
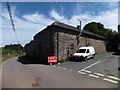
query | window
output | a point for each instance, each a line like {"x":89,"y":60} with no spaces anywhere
{"x":87,"y":51}
{"x":81,"y":51}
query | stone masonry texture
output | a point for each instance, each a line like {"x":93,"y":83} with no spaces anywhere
{"x":61,"y":42}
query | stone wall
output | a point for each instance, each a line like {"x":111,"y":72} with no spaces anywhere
{"x":29,"y":48}
{"x":68,"y":43}
{"x":60,"y":42}
{"x":41,"y":47}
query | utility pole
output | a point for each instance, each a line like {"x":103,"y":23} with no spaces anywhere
{"x":80,"y":27}
{"x":12,"y":22}
{"x":78,"y":37}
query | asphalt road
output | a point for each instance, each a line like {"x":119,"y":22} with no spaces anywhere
{"x":100,"y":72}
{"x":104,"y":67}
{"x":106,"y":64}
{"x":16,"y":75}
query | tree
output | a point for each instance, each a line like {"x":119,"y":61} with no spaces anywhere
{"x":14,"y":47}
{"x":99,"y":29}
{"x":92,"y":27}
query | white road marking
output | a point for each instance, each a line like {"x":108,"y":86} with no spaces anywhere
{"x":112,"y":77}
{"x":90,"y":65}
{"x":54,"y":66}
{"x":93,"y":76}
{"x":70,"y":69}
{"x":99,"y":74}
{"x":86,"y":71}
{"x":65,"y":68}
{"x":81,"y":72}
{"x":109,"y":80}
{"x":59,"y":67}
{"x":58,"y":63}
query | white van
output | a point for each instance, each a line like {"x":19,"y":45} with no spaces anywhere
{"x":85,"y":53}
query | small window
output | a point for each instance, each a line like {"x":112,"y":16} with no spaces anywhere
{"x":81,"y":51}
{"x":87,"y":51}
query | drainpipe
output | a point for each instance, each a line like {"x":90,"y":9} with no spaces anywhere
{"x":57,"y":46}
{"x":86,"y":42}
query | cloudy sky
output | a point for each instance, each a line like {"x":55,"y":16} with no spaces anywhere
{"x":30,"y":18}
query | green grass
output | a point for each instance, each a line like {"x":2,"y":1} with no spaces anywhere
{"x":62,"y":60}
{"x":0,"y":55}
{"x":7,"y":53}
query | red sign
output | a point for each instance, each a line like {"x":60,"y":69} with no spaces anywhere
{"x":52,"y":59}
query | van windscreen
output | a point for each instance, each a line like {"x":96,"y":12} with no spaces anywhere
{"x":81,"y":51}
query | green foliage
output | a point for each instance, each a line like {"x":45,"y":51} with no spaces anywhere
{"x":62,"y":60}
{"x":8,"y":53}
{"x":0,"y":55}
{"x":109,"y":34}
{"x":15,"y":47}
{"x":92,"y":27}
{"x":99,"y":29}
{"x":119,"y":46}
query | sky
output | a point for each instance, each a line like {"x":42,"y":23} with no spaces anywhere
{"x":32,"y":17}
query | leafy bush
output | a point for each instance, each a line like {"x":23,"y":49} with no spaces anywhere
{"x":62,"y":60}
{"x":7,"y":53}
{"x":15,"y":47}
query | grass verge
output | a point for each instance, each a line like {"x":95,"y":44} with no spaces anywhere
{"x":7,"y":53}
{"x":63,"y":61}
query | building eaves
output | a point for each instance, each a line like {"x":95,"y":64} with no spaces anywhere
{"x":77,"y":30}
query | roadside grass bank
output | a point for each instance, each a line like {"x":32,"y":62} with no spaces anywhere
{"x":7,"y":53}
{"x":0,"y":55}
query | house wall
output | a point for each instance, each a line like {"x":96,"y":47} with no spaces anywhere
{"x":29,"y":49}
{"x":58,"y":41}
{"x":41,"y":47}
{"x":68,"y":43}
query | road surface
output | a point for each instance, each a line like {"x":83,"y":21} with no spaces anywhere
{"x":100,"y":72}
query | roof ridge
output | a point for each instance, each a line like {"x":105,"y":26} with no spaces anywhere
{"x":60,"y":24}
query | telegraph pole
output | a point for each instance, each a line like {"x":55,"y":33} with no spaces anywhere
{"x":78,"y":37}
{"x":80,"y":27}
{"x":12,"y":22}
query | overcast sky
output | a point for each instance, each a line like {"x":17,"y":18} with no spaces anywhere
{"x":31,"y":18}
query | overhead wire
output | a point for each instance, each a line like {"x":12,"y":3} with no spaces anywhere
{"x":12,"y":22}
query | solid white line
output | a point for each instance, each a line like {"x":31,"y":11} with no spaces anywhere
{"x":112,"y":77}
{"x":81,"y":72}
{"x":99,"y":74}
{"x":91,"y":65}
{"x":93,"y":76}
{"x":109,"y":80}
{"x":86,"y":71}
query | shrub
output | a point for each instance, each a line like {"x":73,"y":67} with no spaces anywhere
{"x":62,"y":60}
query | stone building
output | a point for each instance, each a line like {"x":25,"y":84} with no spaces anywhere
{"x":61,"y":40}
{"x":119,"y":30}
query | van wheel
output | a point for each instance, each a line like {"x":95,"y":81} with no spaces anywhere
{"x":93,"y":56}
{"x":85,"y":58}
